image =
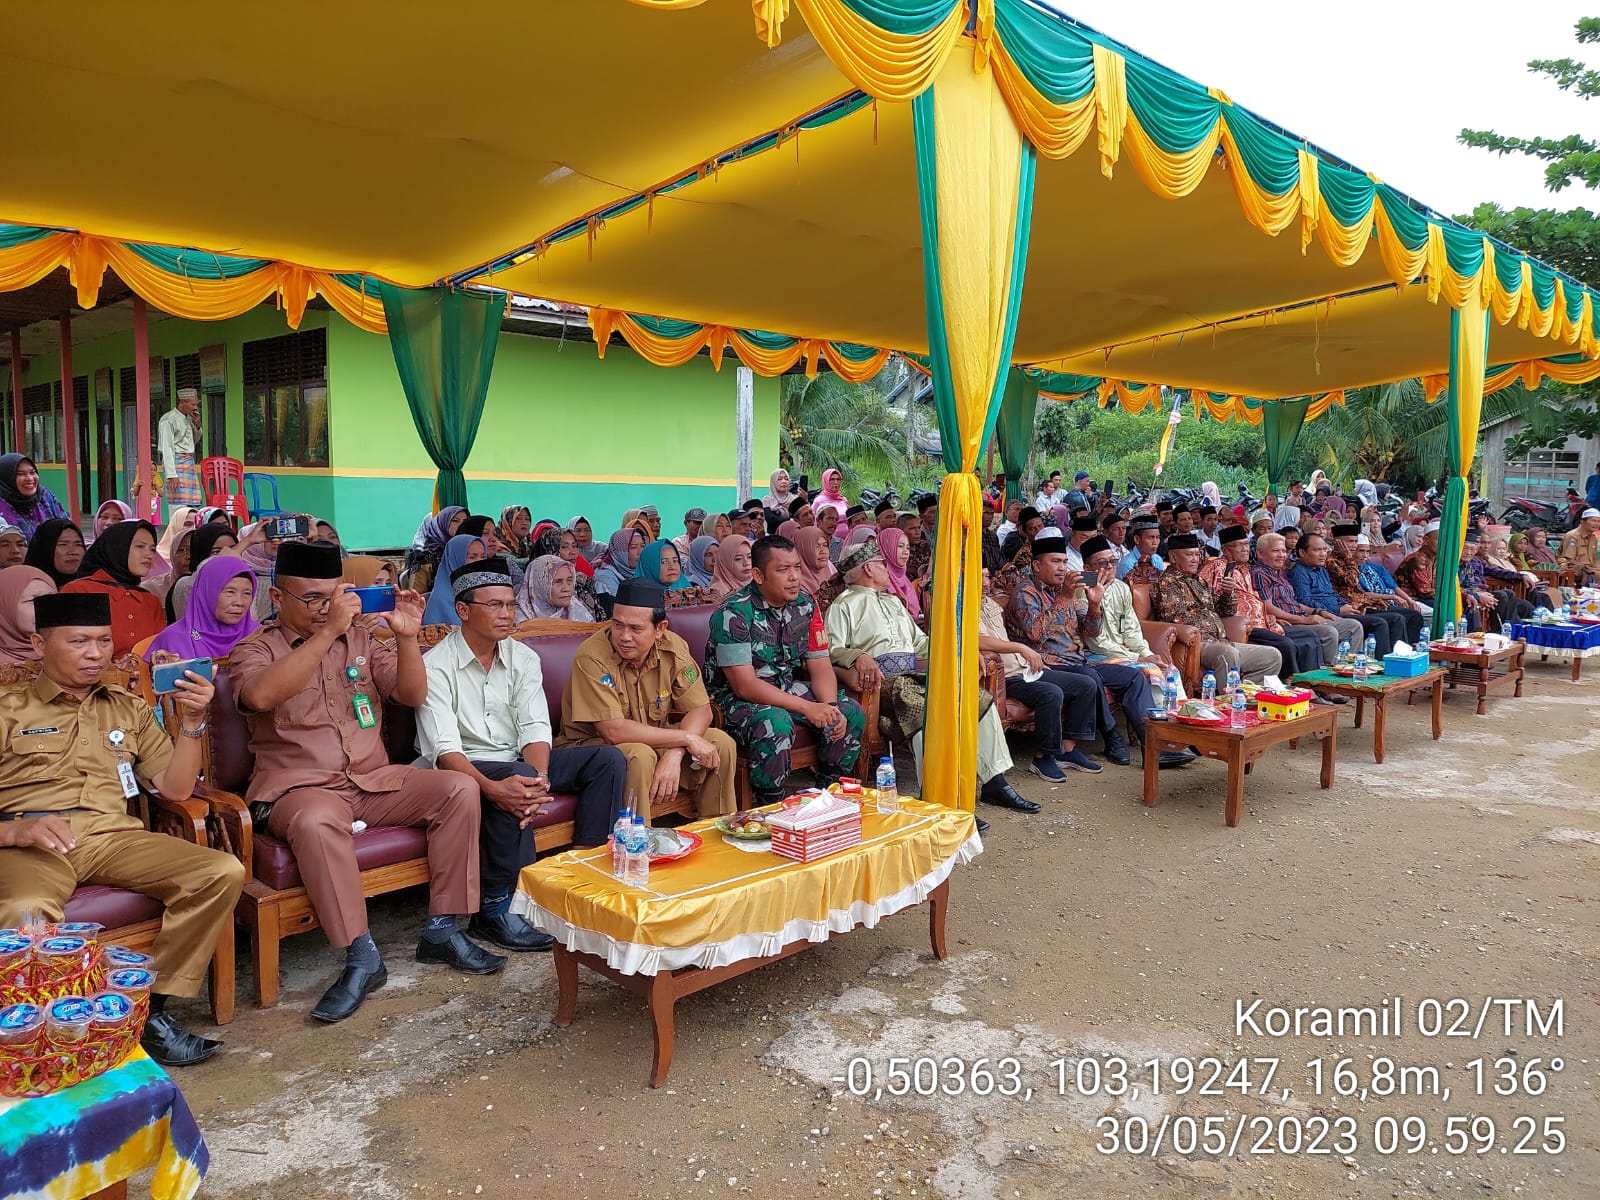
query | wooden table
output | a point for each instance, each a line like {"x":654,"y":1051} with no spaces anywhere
{"x":723,"y":911}
{"x":1378,"y":690}
{"x":1484,"y":670}
{"x":1239,"y":748}
{"x":665,"y":988}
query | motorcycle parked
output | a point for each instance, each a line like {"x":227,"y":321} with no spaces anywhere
{"x":1524,"y":512}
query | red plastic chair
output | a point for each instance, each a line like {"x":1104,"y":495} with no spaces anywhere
{"x":222,"y":480}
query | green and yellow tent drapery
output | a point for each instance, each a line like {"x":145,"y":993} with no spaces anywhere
{"x":1469,"y":336}
{"x":667,"y":343}
{"x":1014,"y":431}
{"x":975,"y":176}
{"x":186,"y":283}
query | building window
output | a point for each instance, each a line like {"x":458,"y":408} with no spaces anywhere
{"x":41,"y":422}
{"x":286,"y":400}
{"x":1544,"y":475}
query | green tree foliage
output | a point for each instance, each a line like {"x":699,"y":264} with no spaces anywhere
{"x":1573,"y":157}
{"x":827,"y":422}
{"x":1568,"y":241}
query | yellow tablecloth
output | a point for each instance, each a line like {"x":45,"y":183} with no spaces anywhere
{"x":722,"y":905}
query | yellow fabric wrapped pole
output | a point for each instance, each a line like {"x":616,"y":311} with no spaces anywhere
{"x":975,"y":175}
{"x":1469,"y":348}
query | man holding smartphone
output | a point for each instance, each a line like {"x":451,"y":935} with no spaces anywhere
{"x":311,"y":685}
{"x":73,"y":752}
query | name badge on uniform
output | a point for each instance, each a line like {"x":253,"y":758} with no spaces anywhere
{"x":130,"y":785}
{"x":363,"y":707}
{"x":352,"y":673}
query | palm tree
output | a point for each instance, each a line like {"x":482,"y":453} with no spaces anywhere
{"x":1391,"y":432}
{"x":827,"y":422}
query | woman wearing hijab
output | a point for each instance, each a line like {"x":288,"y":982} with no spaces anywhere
{"x":721,"y":527}
{"x":1212,"y":496}
{"x":896,"y":551}
{"x":516,"y":532}
{"x":258,"y":547}
{"x":116,"y":566}
{"x":583,"y":532}
{"x":788,"y":529}
{"x":56,"y":548}
{"x":24,"y":500}
{"x":659,"y":563}
{"x":781,"y":495}
{"x":427,"y":546}
{"x":622,"y":559}
{"x":1287,"y":517}
{"x":207,"y":542}
{"x":458,"y":552}
{"x":815,"y":569}
{"x":832,"y":494}
{"x":178,"y":565}
{"x":546,"y":592}
{"x":732,"y":571}
{"x":19,"y":587}
{"x":367,"y":570}
{"x":113,"y":512}
{"x":217,"y":618}
{"x":697,"y":568}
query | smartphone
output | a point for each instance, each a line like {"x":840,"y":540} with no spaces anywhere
{"x":291,"y":527}
{"x":164,"y":676}
{"x":376,"y":599}
{"x":1110,"y":491}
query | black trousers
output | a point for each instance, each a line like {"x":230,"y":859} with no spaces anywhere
{"x":1386,"y":628}
{"x":1132,"y":690}
{"x":1300,"y":649}
{"x":1065,"y":703}
{"x":594,"y":773}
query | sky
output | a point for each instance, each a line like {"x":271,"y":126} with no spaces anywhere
{"x":1384,"y":84}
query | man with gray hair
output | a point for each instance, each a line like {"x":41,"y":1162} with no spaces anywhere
{"x":178,"y":433}
{"x":875,"y":643}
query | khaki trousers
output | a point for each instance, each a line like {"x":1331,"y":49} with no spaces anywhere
{"x":712,"y":790}
{"x":198,"y":887}
{"x":1253,"y":662}
{"x":316,"y":824}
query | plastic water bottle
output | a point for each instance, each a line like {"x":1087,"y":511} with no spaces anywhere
{"x":888,"y":793}
{"x":1169,"y":691}
{"x":1422,"y":639}
{"x":1449,"y":632}
{"x":619,"y":846}
{"x":1344,"y":651}
{"x":1361,"y":665}
{"x":1233,"y":680}
{"x":1208,"y":687}
{"x":1236,"y":709}
{"x":1372,"y":648}
{"x":1566,"y":612}
{"x":638,"y":865}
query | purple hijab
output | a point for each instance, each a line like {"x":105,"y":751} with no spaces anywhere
{"x":198,"y":633}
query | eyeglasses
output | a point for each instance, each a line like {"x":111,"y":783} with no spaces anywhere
{"x":495,"y":606}
{"x":313,"y":604}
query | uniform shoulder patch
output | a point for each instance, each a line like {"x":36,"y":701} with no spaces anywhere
{"x":690,"y":673}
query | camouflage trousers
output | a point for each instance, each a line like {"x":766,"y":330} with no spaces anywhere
{"x":767,"y":734}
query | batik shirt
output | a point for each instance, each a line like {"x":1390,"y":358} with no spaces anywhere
{"x":1189,"y":600}
{"x":778,"y":641}
{"x":1047,"y":621}
{"x":1416,"y":575}
{"x":1235,"y":579}
{"x":1375,"y":578}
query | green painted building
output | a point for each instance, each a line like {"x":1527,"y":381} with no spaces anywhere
{"x":321,"y":410}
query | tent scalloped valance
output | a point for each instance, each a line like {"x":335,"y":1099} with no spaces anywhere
{"x":186,"y":283}
{"x":664,"y":342}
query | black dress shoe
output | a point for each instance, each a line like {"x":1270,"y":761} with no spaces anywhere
{"x":983,"y":826}
{"x":171,"y":1045}
{"x":509,"y":931}
{"x":353,"y":986}
{"x":1176,"y":758}
{"x":1117,"y":747}
{"x":462,"y":953}
{"x":1002,"y":795}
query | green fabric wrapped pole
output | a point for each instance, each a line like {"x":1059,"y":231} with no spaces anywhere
{"x":1282,"y":421}
{"x":444,"y":343}
{"x":1014,"y":430}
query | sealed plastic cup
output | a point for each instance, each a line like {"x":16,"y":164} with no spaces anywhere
{"x":133,"y":982}
{"x":21,"y":1026}
{"x":66,"y":1021}
{"x":118,"y":957}
{"x":88,"y":930}
{"x":59,"y":958}
{"x":112,"y":1011}
{"x":16,"y":953}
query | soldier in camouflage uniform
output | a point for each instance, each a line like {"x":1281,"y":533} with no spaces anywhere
{"x":767,"y":668}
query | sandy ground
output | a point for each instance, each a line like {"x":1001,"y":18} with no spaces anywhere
{"x":1099,"y":929}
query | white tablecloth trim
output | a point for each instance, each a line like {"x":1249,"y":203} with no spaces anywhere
{"x":633,"y":958}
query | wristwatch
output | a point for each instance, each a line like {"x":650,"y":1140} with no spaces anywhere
{"x":196,"y":734}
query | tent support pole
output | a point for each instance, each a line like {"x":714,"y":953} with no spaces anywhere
{"x":744,"y":417}
{"x":145,"y":501}
{"x":16,"y":393}
{"x":69,"y":423}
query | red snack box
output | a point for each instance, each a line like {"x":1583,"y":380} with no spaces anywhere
{"x":812,"y":831}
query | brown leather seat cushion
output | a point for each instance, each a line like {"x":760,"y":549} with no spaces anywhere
{"x":693,"y":625}
{"x":556,"y":653}
{"x":110,"y":906}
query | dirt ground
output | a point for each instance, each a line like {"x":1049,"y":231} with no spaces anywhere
{"x":1098,"y":929}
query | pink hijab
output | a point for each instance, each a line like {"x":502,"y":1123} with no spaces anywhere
{"x":723,"y":580}
{"x":807,"y":541}
{"x":832,"y":494}
{"x":889,"y":541}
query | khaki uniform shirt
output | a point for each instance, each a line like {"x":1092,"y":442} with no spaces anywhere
{"x":56,"y":752}
{"x":1578,"y":549}
{"x":313,"y":740}
{"x":659,"y":692}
